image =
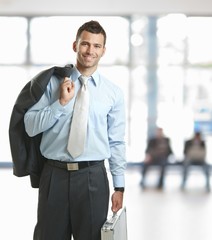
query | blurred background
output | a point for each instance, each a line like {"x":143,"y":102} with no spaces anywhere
{"x":160,"y":54}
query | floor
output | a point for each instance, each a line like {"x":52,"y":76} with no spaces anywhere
{"x":168,"y":214}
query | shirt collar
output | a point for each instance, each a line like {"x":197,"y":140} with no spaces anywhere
{"x":95,"y":76}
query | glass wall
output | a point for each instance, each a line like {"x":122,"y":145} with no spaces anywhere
{"x":176,"y":55}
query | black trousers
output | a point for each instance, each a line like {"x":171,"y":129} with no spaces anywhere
{"x":72,"y":203}
{"x":205,"y":167}
{"x":161,"y":163}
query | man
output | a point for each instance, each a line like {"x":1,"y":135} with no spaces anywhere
{"x":157,"y":152}
{"x":195,"y":154}
{"x":74,"y":191}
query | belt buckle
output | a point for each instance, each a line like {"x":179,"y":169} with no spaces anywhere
{"x":72,"y":166}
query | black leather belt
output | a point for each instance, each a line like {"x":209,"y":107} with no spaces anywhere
{"x":72,"y":166}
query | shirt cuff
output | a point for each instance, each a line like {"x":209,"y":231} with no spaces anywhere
{"x":118,"y":181}
{"x":58,"y":109}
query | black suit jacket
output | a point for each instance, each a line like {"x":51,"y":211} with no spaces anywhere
{"x":154,"y":148}
{"x":25,"y":150}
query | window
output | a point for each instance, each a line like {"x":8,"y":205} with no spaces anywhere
{"x":30,"y":45}
{"x":13,"y":40}
{"x":179,"y":47}
{"x":52,"y":38}
{"x":199,"y":40}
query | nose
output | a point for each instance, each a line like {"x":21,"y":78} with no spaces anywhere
{"x":90,"y":49}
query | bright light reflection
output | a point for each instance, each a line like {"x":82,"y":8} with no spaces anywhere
{"x":13,"y":40}
{"x":172,"y":28}
{"x":136,"y":40}
{"x":199,"y":40}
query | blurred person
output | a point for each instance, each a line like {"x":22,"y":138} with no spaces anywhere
{"x":195,"y":154}
{"x":74,"y":190}
{"x":157,"y":152}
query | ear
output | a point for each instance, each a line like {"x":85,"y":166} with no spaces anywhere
{"x":103,"y":53}
{"x":74,"y":46}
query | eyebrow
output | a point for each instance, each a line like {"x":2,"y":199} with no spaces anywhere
{"x":96,"y":44}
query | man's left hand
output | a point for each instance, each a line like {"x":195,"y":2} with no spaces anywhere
{"x":117,"y":201}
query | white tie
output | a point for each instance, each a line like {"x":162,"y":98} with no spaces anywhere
{"x":78,"y":131}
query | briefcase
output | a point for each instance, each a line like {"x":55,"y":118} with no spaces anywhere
{"x":115,"y":227}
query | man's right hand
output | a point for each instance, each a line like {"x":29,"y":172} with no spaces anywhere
{"x":66,"y":91}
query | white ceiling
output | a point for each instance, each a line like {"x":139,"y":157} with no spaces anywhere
{"x":106,"y":7}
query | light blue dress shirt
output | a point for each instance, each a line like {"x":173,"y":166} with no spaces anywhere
{"x":106,"y":124}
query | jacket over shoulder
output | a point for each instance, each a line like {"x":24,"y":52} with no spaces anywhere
{"x":25,"y":150}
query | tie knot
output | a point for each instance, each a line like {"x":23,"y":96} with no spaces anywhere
{"x":83,"y":80}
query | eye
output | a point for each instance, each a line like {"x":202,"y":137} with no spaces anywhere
{"x":84,"y":44}
{"x":97,"y":46}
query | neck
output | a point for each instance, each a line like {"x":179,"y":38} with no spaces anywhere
{"x":87,"y":72}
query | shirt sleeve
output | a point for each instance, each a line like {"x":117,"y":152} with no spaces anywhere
{"x":116,"y":134}
{"x":44,"y":114}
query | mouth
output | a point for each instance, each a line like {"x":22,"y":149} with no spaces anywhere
{"x":88,"y":58}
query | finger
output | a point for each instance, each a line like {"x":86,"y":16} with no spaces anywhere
{"x":66,"y":79}
{"x":115,"y":208}
{"x":72,"y":84}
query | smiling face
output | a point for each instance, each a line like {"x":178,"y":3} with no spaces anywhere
{"x":89,"y":48}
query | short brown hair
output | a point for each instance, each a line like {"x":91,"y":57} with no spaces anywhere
{"x":92,"y":27}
